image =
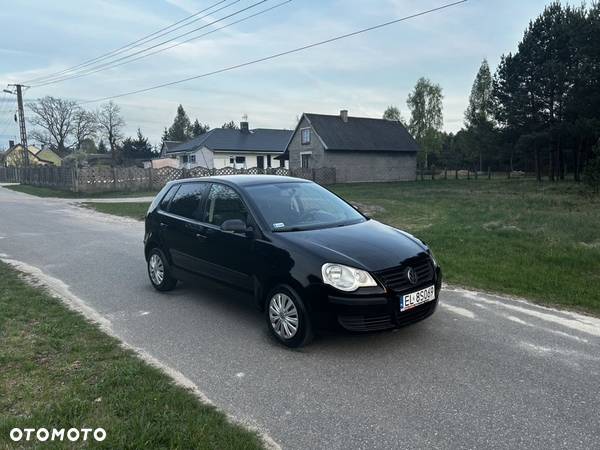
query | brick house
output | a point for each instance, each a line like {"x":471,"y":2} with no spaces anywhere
{"x":360,"y":149}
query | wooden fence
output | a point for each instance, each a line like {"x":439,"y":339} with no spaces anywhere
{"x":131,"y":179}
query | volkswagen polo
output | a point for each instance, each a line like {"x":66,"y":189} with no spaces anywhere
{"x":310,"y":259}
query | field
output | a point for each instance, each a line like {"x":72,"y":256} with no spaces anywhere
{"x":540,"y":241}
{"x":59,"y":371}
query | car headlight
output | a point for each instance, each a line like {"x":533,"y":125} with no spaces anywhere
{"x":346,"y":278}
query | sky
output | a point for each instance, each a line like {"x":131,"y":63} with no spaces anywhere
{"x":363,"y":74}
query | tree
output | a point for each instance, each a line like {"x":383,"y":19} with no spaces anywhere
{"x":591,"y":174}
{"x":54,"y":119}
{"x":137,"y":147}
{"x":85,"y":126}
{"x":426,"y":121}
{"x":102,"y":147}
{"x":111,"y":124}
{"x":393,"y":113}
{"x":88,"y":146}
{"x":198,"y":128}
{"x":230,"y":125}
{"x":180,"y":130}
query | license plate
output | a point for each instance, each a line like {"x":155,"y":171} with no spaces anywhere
{"x":417,"y":298}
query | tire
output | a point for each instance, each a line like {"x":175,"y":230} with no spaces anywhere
{"x":159,"y":271}
{"x":284,"y":309}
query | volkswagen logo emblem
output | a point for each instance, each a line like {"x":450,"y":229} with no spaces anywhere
{"x":412,"y":275}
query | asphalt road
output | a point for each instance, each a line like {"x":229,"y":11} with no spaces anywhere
{"x":483,"y":372}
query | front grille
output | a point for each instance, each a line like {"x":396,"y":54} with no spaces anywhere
{"x":366,"y":323}
{"x":395,"y":278}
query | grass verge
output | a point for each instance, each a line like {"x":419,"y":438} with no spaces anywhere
{"x":57,"y":370}
{"x":135,"y":210}
{"x":49,"y":192}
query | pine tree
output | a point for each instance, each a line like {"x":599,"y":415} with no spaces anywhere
{"x":102,"y":147}
{"x":230,"y":125}
{"x":197,"y":128}
{"x":180,"y":130}
{"x":479,"y":113}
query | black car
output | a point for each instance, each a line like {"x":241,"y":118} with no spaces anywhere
{"x":310,"y":259}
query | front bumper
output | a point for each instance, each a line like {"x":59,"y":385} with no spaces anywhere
{"x":371,"y":309}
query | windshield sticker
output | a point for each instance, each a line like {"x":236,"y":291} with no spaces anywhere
{"x":278,"y":225}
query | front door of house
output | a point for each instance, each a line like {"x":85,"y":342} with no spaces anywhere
{"x":260,"y":161}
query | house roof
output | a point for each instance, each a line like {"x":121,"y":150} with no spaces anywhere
{"x":170,"y":144}
{"x":221,"y":139}
{"x":361,"y":134}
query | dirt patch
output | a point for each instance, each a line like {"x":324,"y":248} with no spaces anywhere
{"x":368,"y":210}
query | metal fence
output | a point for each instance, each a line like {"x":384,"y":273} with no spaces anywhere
{"x":131,"y":179}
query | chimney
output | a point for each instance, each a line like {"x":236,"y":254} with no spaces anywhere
{"x":244,"y":124}
{"x":11,"y":143}
{"x":344,"y":115}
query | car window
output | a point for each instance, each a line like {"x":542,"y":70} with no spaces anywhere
{"x":294,"y":206}
{"x":224,"y":204}
{"x":187,"y":202}
{"x":164,"y":203}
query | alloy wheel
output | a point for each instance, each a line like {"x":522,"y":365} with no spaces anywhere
{"x":283,"y":316}
{"x":157,"y":269}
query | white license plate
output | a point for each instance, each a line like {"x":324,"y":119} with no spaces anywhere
{"x":417,"y":298}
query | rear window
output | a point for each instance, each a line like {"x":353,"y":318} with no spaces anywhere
{"x":164,"y":203}
{"x":188,"y":200}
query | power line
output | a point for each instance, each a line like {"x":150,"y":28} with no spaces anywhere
{"x":128,"y":61}
{"x":277,"y":55}
{"x":108,"y":63}
{"x":111,"y":64}
{"x":138,"y":41}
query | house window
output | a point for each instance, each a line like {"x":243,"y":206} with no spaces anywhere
{"x":305,"y":136}
{"x":305,"y":160}
{"x":268,"y":160}
{"x":192,"y":159}
{"x":184,"y":159}
{"x":231,"y":160}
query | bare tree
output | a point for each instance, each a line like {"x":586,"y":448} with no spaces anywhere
{"x":85,"y":126}
{"x":53,"y":119}
{"x":111,"y":124}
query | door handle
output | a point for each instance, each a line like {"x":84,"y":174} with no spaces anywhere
{"x":164,"y":225}
{"x":200,"y":235}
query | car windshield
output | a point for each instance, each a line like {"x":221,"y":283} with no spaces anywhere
{"x":301,"y":206}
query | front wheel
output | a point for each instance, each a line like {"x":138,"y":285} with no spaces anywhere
{"x":287,"y":317}
{"x":158,"y":271}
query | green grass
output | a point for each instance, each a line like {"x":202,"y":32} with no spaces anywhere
{"x":49,"y":192}
{"x":540,"y":241}
{"x":57,"y":370}
{"x":135,"y":210}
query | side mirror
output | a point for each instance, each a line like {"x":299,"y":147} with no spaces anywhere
{"x":234,"y":225}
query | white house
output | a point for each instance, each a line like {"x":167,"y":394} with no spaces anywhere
{"x":224,"y":147}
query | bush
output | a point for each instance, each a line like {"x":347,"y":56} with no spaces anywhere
{"x":591,"y":173}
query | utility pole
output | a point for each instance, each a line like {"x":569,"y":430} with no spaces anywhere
{"x":21,"y":112}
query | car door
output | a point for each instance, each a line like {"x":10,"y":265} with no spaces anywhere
{"x":181,"y":229}
{"x":230,"y":253}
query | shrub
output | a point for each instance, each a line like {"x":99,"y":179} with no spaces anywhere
{"x":591,"y":173}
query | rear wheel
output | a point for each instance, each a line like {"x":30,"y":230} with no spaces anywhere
{"x":287,"y":317}
{"x":159,"y":271}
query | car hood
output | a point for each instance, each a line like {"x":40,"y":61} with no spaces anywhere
{"x":369,"y":245}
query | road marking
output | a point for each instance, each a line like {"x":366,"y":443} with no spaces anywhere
{"x":575,"y":321}
{"x":457,"y":310}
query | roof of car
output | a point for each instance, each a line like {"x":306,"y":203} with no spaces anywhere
{"x":248,"y":180}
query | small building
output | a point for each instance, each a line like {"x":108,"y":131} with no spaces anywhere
{"x":241,"y":148}
{"x":360,"y":149}
{"x":15,"y":157}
